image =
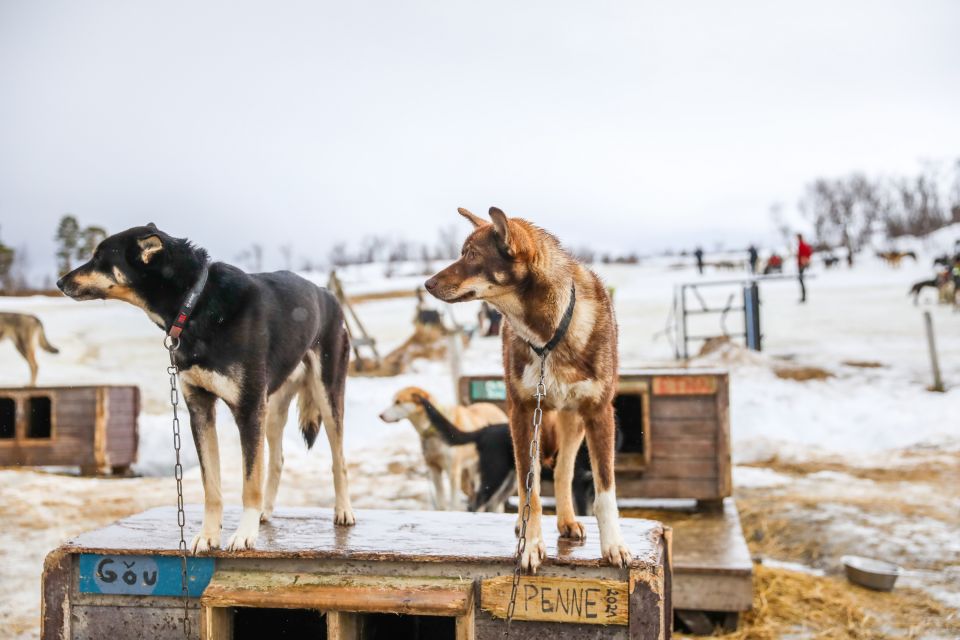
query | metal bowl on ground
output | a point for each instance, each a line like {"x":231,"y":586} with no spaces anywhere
{"x":871,"y":573}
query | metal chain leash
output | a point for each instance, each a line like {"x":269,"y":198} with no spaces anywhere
{"x":172,"y":344}
{"x":525,"y":511}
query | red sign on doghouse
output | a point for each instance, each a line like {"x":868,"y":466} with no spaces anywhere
{"x":684,"y":386}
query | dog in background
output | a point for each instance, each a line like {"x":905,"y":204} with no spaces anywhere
{"x":496,"y":480}
{"x":450,"y":466}
{"x":557,"y":309}
{"x":255,"y":341}
{"x":26,"y":332}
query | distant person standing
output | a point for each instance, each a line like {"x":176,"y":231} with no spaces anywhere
{"x":804,"y":255}
{"x":698,"y":254}
{"x":754,"y":258}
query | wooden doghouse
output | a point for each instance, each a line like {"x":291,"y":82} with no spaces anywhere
{"x":91,"y":427}
{"x":396,"y":574}
{"x":675,"y":455}
{"x":676,"y":431}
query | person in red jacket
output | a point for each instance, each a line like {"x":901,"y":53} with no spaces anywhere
{"x":804,"y":254}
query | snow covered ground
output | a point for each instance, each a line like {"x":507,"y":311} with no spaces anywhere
{"x":864,"y":416}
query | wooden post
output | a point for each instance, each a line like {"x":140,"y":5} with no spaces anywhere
{"x":932,"y":345}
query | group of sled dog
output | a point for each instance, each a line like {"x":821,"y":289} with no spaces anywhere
{"x":259,"y":341}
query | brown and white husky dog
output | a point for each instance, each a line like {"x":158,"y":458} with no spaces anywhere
{"x":548,"y":297}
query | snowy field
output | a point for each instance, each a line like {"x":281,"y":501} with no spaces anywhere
{"x":815,"y":442}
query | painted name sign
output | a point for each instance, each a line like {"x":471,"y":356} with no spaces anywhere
{"x":684,"y":386}
{"x":142,"y":575}
{"x":558,"y":599}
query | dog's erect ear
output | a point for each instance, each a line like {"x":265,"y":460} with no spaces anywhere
{"x":500,"y":225}
{"x":150,"y":246}
{"x":476,"y":220}
{"x":150,"y":225}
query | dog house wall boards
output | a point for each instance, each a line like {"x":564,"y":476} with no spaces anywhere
{"x":396,"y":574}
{"x":676,"y":431}
{"x":91,"y":427}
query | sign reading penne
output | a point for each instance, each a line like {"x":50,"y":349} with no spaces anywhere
{"x":558,"y":599}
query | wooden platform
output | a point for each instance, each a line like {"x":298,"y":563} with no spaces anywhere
{"x":409,"y":563}
{"x":712,"y":569}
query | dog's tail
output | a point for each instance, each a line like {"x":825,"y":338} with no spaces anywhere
{"x":447,"y":429}
{"x":310,"y":400}
{"x":44,"y":343}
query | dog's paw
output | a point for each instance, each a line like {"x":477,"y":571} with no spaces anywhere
{"x":265,"y":516}
{"x":203,"y":542}
{"x":534,"y":553}
{"x":246,"y":534}
{"x":344,"y":517}
{"x":616,"y":554}
{"x":571,"y":529}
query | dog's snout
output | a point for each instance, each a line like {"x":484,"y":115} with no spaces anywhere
{"x":431,"y":284}
{"x":61,"y":283}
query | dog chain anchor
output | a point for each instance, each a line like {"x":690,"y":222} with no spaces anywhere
{"x":528,"y":484}
{"x":172,"y":344}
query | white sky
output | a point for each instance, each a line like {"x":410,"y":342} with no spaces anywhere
{"x":627,"y":127}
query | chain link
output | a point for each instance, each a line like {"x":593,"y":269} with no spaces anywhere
{"x":528,"y":484}
{"x":172,"y":344}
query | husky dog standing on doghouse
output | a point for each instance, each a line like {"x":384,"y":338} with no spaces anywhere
{"x":253,"y":340}
{"x":557,"y":308}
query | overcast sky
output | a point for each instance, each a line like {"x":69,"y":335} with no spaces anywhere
{"x":624,"y":125}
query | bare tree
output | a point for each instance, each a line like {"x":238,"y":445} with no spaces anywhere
{"x":286,"y":252}
{"x":843,"y":211}
{"x":252,"y":258}
{"x":449,"y":242}
{"x":338,"y":255}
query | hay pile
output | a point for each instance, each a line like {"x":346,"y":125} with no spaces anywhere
{"x":802,"y":374}
{"x":428,"y":342}
{"x":789,"y":604}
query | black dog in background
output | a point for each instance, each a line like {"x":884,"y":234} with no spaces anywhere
{"x":255,"y":341}
{"x":497,"y":474}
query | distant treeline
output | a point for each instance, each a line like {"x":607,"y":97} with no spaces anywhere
{"x":846,"y":211}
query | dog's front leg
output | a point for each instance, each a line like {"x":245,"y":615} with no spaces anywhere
{"x":249,"y":419}
{"x":601,"y":441}
{"x":436,"y":477}
{"x":521,"y":430}
{"x":569,"y":438}
{"x":203,"y":425}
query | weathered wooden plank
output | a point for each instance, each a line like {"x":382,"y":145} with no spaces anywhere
{"x":216,"y":624}
{"x":693,"y":385}
{"x":380,"y":535}
{"x":360,"y":594}
{"x":724,"y":463}
{"x":685,"y":428}
{"x":99,"y":622}
{"x":650,"y":615}
{"x":630,"y":486}
{"x":343,"y":625}
{"x":55,"y":590}
{"x":684,"y":448}
{"x":696,"y":407}
{"x":682,"y":468}
{"x":490,"y":628}
{"x":579,"y":600}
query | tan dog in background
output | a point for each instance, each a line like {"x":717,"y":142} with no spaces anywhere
{"x":26,"y":332}
{"x":458,"y":464}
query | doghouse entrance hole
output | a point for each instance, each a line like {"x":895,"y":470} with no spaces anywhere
{"x":290,"y":624}
{"x":40,"y":422}
{"x":8,"y":418}
{"x":629,"y":410}
{"x":390,"y":626}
